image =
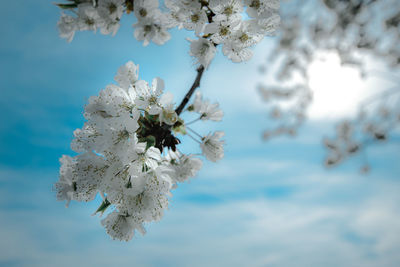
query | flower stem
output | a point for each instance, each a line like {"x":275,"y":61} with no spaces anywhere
{"x":193,"y":121}
{"x":190,"y":129}
{"x":191,"y":136}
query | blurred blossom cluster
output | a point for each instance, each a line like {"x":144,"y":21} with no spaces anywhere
{"x":377,"y":119}
{"x":356,"y":31}
{"x":295,"y":99}
{"x":237,"y":25}
{"x":127,"y":151}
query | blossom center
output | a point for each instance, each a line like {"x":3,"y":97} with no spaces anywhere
{"x":124,"y":134}
{"x":255,"y":4}
{"x":224,"y":31}
{"x":89,"y":21}
{"x":147,"y":28}
{"x":228,"y":10}
{"x":112,"y":8}
{"x":143,"y":12}
{"x":244,"y":38}
{"x":204,"y":48}
{"x":153,"y":100}
{"x":195,"y":18}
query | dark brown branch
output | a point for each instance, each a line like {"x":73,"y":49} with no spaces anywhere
{"x":196,"y":84}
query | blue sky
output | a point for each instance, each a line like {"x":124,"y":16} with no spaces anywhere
{"x":264,"y":204}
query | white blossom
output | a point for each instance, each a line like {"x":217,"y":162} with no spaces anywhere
{"x":148,"y":97}
{"x":226,"y":10}
{"x":184,"y":166}
{"x":119,"y":226}
{"x":168,"y":114}
{"x":67,"y":26}
{"x":111,"y":8}
{"x":203,"y":50}
{"x":89,"y":18}
{"x":236,"y":53}
{"x":80,"y":177}
{"x":212,"y":147}
{"x":64,"y":186}
{"x":148,"y":29}
{"x":261,"y":8}
{"x":145,"y":8}
{"x":207,"y":110}
{"x":247,"y":34}
{"x":221,"y":31}
{"x":147,"y":159}
{"x":127,"y":75}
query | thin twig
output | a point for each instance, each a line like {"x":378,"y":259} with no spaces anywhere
{"x":196,"y":84}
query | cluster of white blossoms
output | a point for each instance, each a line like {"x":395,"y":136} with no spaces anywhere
{"x":237,"y":25}
{"x":127,"y":152}
{"x":127,"y":148}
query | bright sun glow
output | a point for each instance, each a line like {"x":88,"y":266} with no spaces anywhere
{"x":337,"y":90}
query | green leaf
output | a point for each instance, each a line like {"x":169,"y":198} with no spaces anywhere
{"x":103,"y":206}
{"x":67,"y":6}
{"x":151,"y":118}
{"x":150,"y":140}
{"x":145,"y":168}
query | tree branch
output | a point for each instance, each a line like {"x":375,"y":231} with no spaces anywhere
{"x":196,"y":84}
